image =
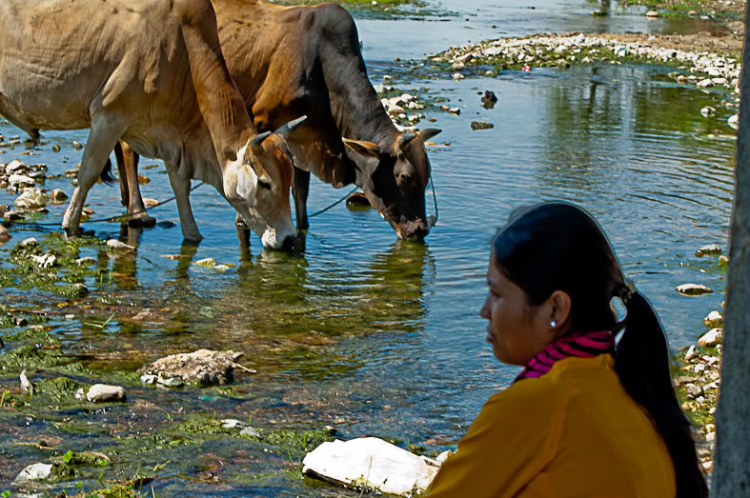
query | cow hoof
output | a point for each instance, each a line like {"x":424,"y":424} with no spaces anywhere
{"x":144,"y":221}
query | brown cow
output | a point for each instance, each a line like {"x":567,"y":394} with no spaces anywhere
{"x":289,"y":61}
{"x":151,"y":72}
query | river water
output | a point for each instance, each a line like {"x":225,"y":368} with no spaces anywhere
{"x":376,"y":336}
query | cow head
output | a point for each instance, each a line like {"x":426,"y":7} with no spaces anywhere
{"x":394,"y":176}
{"x":257,"y":183}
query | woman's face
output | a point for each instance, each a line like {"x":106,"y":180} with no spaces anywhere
{"x":516,"y":330}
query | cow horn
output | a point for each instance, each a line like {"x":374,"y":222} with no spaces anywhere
{"x":288,"y":128}
{"x":257,"y":140}
{"x":404,"y":139}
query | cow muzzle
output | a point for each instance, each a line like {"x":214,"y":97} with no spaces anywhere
{"x":412,"y":230}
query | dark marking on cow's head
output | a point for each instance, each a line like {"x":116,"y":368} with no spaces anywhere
{"x":394,"y":176}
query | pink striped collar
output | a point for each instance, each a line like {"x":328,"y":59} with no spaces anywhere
{"x":579,"y":345}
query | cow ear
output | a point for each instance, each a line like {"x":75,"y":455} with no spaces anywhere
{"x":366,"y":155}
{"x":428,"y":133}
{"x":360,"y":147}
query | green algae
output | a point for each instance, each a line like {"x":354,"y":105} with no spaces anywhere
{"x":59,"y":388}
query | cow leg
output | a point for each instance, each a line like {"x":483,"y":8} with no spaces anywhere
{"x":243,"y":232}
{"x":136,"y":209}
{"x":300,"y":189}
{"x":121,"y":173}
{"x":105,"y":131}
{"x":181,"y":188}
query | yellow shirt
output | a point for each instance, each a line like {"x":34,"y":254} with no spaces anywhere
{"x":573,"y":432}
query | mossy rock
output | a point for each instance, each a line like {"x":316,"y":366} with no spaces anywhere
{"x":59,"y":388}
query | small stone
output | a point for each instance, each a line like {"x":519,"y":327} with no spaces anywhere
{"x":693,"y":390}
{"x":71,"y":173}
{"x":712,"y":410}
{"x":80,"y":394}
{"x":691,"y":352}
{"x":45,"y":260}
{"x":711,"y":338}
{"x":480,"y":125}
{"x":55,"y":148}
{"x":490,"y":73}
{"x":708,"y":111}
{"x":77,"y":145}
{"x":458,"y":76}
{"x":16,"y":166}
{"x":30,"y":242}
{"x":4,"y":234}
{"x":170,"y":382}
{"x":396,"y":110}
{"x":31,"y":199}
{"x":19,"y":180}
{"x":70,"y":317}
{"x":441,"y":458}
{"x":207,"y":262}
{"x":705,"y":83}
{"x":13,"y":216}
{"x":88,"y":260}
{"x":699,"y":368}
{"x":719,"y":81}
{"x":710,"y":249}
{"x":693,"y":289}
{"x":681,"y":79}
{"x":58,"y":195}
{"x":143,"y":180}
{"x":35,"y":472}
{"x":692,"y":13}
{"x":652,"y":14}
{"x":116,"y":245}
{"x":104,"y":393}
{"x":454,"y":110}
{"x":713,"y":320}
{"x":79,"y":290}
{"x":734,"y":121}
{"x":230,"y":423}
{"x":387,"y":77}
{"x":710,"y":437}
{"x":458,"y":66}
{"x":148,"y":378}
{"x":150,"y":202}
{"x":251,"y":431}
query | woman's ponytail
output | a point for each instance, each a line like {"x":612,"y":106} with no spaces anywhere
{"x":642,"y":364}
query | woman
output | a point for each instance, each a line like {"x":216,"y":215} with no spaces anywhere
{"x":593,"y":413}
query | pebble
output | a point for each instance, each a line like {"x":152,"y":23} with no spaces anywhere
{"x":481,"y":125}
{"x":77,"y":145}
{"x":150,"y":202}
{"x":148,"y":379}
{"x":70,"y":317}
{"x":458,"y":66}
{"x":251,"y":431}
{"x":710,"y":438}
{"x":693,"y":390}
{"x":15,"y":166}
{"x":71,"y":173}
{"x":116,"y":245}
{"x":20,"y":180}
{"x":13,"y":216}
{"x":691,"y":352}
{"x":56,"y":148}
{"x":705,"y":83}
{"x":396,"y":110}
{"x":35,"y":472}
{"x":693,"y":289}
{"x":31,"y":199}
{"x":30,"y":242}
{"x":734,"y":121}
{"x":710,"y":249}
{"x":711,"y":338}
{"x":454,"y":110}
{"x":231,"y":423}
{"x":713,"y":319}
{"x":708,"y":111}
{"x":458,"y":76}
{"x":207,"y":262}
{"x":4,"y":234}
{"x":170,"y":382}
{"x":104,"y":393}
{"x":88,"y":260}
{"x":652,"y":14}
{"x":58,"y":195}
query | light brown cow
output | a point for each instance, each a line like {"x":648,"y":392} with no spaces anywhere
{"x":289,"y":61}
{"x":151,"y":72}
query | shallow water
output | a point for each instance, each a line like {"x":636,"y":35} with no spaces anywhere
{"x":364,"y":332}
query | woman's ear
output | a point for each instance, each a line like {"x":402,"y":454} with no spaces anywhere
{"x":559,"y":305}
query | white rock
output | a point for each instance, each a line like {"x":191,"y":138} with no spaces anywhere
{"x":441,"y":458}
{"x":693,"y":289}
{"x":70,"y":316}
{"x":734,"y":121}
{"x":711,"y":437}
{"x":35,"y":472}
{"x":719,"y":81}
{"x":31,"y":199}
{"x":20,"y":180}
{"x":85,"y":261}
{"x":458,"y":66}
{"x":710,"y":248}
{"x":148,"y":379}
{"x":80,"y":394}
{"x":458,"y":76}
{"x":230,"y":423}
{"x":116,"y":245}
{"x":693,"y":390}
{"x":251,"y":431}
{"x":371,"y":462}
{"x":705,"y":83}
{"x":170,"y":381}
{"x":45,"y":260}
{"x":379,"y":88}
{"x":711,"y":338}
{"x":714,"y":317}
{"x":396,"y":110}
{"x":31,"y":241}
{"x":708,"y":111}
{"x":699,"y":368}
{"x":652,"y":14}
{"x":103,"y":392}
{"x":691,"y":352}
{"x":150,"y":202}
{"x":15,"y":166}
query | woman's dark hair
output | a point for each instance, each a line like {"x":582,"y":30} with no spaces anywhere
{"x":558,"y":246}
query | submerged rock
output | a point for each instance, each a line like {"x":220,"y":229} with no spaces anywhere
{"x":203,"y":366}
{"x":371,"y":462}
{"x":58,"y":195}
{"x":713,"y":320}
{"x":103,"y":393}
{"x":693,"y":289}
{"x":481,"y":125}
{"x":35,"y":472}
{"x":4,"y":234}
{"x":709,"y":249}
{"x":116,"y":245}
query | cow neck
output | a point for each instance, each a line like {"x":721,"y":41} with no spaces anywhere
{"x":220,"y":103}
{"x":355,"y":106}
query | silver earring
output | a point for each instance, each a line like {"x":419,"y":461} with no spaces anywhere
{"x":553,"y":324}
